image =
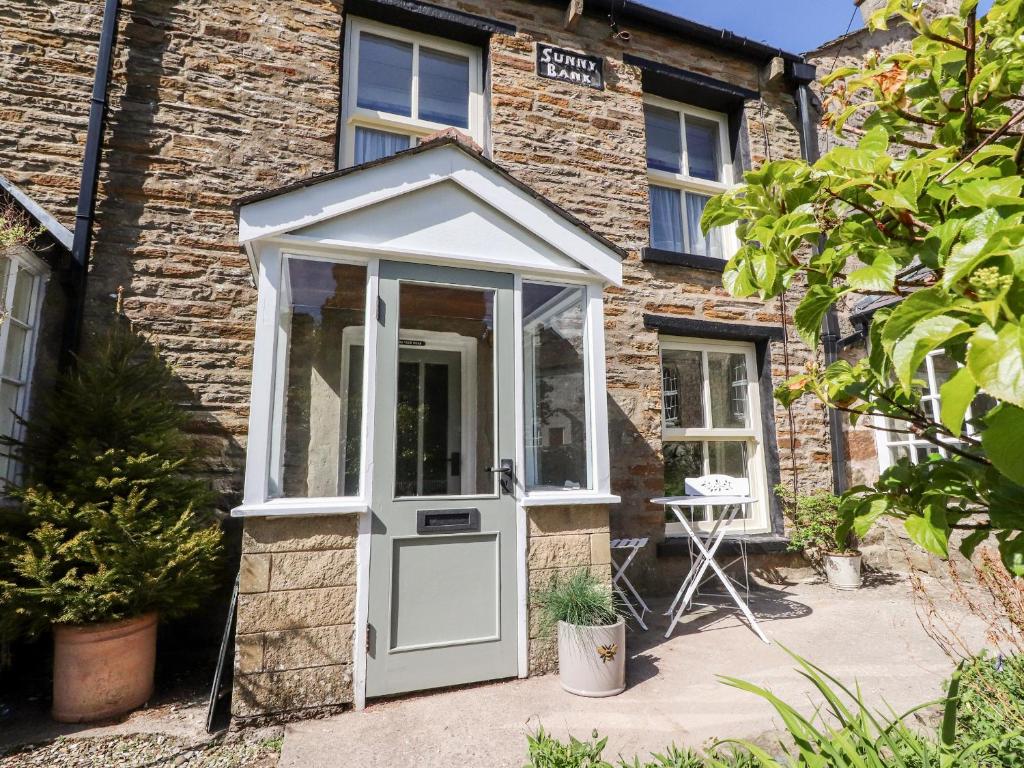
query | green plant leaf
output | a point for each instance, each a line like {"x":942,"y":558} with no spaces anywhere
{"x":1002,"y":438}
{"x":909,"y":352}
{"x":811,"y":311}
{"x":1011,"y":551}
{"x":996,"y":362}
{"x":868,"y":514}
{"x":971,"y":541}
{"x":879,"y":275}
{"x":912,"y":310}
{"x":955,"y":398}
{"x":989,"y":193}
{"x":930,"y":529}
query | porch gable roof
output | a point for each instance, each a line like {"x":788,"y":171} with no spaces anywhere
{"x":445,"y":159}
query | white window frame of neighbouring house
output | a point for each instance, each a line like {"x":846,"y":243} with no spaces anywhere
{"x":683,"y":182}
{"x":893,"y":443}
{"x":19,"y":333}
{"x":356,"y":118}
{"x":756,"y":517}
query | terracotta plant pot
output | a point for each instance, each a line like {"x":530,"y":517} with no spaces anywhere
{"x":101,"y":671}
{"x":592,"y":660}
{"x":843,"y":570}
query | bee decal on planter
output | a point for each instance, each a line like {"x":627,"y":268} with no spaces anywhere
{"x":607,"y":652}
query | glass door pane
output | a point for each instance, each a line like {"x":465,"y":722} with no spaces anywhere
{"x":445,"y":415}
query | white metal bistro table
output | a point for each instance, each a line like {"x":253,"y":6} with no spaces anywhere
{"x":706,"y":557}
{"x":633,"y":546}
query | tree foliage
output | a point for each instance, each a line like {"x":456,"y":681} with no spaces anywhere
{"x":927,"y":209}
{"x":113,"y":521}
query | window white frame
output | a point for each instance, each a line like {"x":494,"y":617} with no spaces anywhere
{"x":355,"y":116}
{"x":887,"y":443}
{"x":21,"y":260}
{"x":682,"y":181}
{"x":557,"y":304}
{"x":757,"y":520}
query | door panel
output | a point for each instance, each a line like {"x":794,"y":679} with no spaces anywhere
{"x":442,"y":603}
{"x":465,"y":590}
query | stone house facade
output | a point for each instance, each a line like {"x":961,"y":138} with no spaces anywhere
{"x":245,"y":122}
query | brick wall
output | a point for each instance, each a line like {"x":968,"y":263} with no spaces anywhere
{"x":296,"y":610}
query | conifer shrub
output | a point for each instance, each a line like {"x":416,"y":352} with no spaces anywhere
{"x":114,"y":519}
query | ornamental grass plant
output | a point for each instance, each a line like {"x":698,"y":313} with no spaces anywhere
{"x":843,"y":731}
{"x":579,"y":598}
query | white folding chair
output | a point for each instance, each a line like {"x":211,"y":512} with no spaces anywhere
{"x":633,"y":546}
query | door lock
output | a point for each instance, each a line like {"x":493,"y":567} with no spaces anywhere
{"x":507,"y":477}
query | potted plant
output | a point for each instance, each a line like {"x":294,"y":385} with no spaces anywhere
{"x":815,"y":530}
{"x":591,"y":632}
{"x":114,"y":529}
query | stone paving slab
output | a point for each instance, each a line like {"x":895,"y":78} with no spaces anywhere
{"x":873,"y":636}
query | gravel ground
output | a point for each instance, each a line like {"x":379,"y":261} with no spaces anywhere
{"x":251,"y":748}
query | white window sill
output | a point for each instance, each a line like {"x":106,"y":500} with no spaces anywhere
{"x":567,"y":498}
{"x":302,"y":508}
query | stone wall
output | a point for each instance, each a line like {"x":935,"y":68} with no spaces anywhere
{"x":559,"y":541}
{"x":207,"y":102}
{"x":296,"y":611}
{"x":213,"y":101}
{"x":560,"y":137}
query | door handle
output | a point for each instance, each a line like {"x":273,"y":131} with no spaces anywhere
{"x":507,"y":480}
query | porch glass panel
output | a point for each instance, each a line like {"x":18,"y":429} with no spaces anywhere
{"x":557,"y":417}
{"x":319,"y":424}
{"x":445,"y":419}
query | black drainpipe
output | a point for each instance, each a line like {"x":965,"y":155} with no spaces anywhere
{"x":803,"y":75}
{"x":86,"y":210}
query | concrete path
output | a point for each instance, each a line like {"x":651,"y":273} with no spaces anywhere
{"x":872,"y":636}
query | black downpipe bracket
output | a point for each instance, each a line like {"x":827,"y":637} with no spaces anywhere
{"x":803,"y":75}
{"x":86,"y":210}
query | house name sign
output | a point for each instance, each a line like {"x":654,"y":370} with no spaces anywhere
{"x":569,"y":66}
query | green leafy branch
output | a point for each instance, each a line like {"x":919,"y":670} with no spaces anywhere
{"x":923,"y":205}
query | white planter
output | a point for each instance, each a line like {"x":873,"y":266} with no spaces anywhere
{"x":843,"y":571}
{"x":592,"y":660}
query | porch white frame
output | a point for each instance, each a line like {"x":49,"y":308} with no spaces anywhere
{"x":265,"y":230}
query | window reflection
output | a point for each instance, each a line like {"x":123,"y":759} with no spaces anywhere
{"x":556,"y":429}
{"x":321,"y":418}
